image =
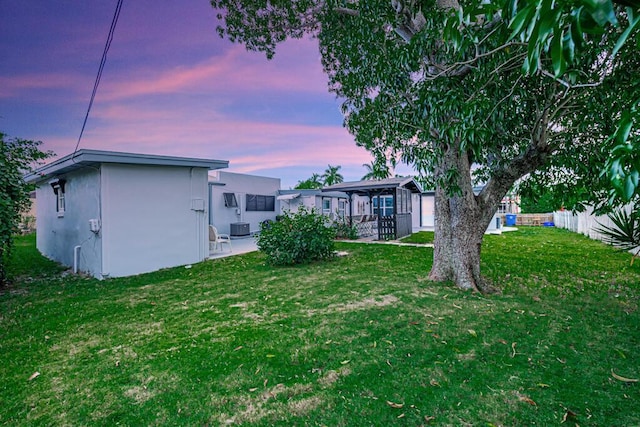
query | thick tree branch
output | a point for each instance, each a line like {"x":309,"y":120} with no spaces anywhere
{"x":346,"y":11}
{"x":463,"y":67}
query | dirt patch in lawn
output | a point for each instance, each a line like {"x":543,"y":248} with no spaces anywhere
{"x":371,"y":302}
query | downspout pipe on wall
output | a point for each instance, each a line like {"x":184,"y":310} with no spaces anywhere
{"x":76,"y":258}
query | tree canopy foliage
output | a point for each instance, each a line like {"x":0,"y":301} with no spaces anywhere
{"x":524,"y":88}
{"x":332,"y":175}
{"x":560,"y":33}
{"x":17,"y":156}
{"x":311,"y":183}
{"x":377,"y":169}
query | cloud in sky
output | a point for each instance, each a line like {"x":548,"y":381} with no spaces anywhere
{"x":170,"y":86}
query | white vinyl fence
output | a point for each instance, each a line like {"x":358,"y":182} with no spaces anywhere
{"x":584,"y":222}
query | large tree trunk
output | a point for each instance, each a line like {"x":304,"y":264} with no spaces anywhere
{"x":462,"y":218}
{"x":459,"y":230}
{"x":460,"y":222}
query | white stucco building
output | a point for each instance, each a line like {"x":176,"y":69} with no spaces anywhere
{"x":113,"y":214}
{"x":238,"y":202}
{"x":333,"y":204}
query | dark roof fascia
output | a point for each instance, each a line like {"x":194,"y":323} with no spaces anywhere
{"x":303,"y":192}
{"x":93,"y":158}
{"x":334,"y":194}
{"x":314,"y":192}
{"x":376,"y":186}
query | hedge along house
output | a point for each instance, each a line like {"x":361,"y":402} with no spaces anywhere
{"x":390,"y":201}
{"x":113,"y":214}
{"x":238,"y":203}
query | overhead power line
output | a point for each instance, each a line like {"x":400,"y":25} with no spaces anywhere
{"x":107,"y":45}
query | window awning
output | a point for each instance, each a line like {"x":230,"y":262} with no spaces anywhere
{"x":288,"y":196}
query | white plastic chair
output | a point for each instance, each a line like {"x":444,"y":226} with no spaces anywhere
{"x":216,"y":239}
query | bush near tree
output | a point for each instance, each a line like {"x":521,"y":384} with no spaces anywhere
{"x":297,"y":238}
{"x":17,"y":156}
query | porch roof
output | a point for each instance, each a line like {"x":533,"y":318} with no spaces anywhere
{"x":284,"y":194}
{"x":379,"y":186}
{"x":289,"y":196}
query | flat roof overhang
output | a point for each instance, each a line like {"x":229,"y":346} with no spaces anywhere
{"x":93,"y":158}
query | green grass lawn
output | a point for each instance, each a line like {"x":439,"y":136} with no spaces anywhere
{"x":364,"y":339}
{"x":421,"y":237}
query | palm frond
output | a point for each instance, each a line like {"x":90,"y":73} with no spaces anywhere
{"x":625,"y":231}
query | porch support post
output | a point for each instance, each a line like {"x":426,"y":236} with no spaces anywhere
{"x":379,"y":218}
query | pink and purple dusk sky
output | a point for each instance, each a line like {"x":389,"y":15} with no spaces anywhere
{"x":170,"y":86}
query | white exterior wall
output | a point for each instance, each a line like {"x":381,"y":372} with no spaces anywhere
{"x":416,"y":209}
{"x":428,"y":210}
{"x":57,"y":236}
{"x":153,"y":217}
{"x":495,"y":226}
{"x":293,"y":205}
{"x":361,"y":205}
{"x":313,"y":202}
{"x":241,"y":185}
{"x":335,"y":203}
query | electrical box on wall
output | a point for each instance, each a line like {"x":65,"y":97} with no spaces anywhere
{"x":94,"y":225}
{"x":197,"y":205}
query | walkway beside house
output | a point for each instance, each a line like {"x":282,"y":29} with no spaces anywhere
{"x":249,"y":244}
{"x":245,"y":245}
{"x":238,"y":246}
{"x":388,"y":242}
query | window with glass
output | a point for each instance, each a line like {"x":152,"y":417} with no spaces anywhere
{"x":342,"y":207}
{"x":230,"y":200}
{"x":257,"y":202}
{"x":60,"y":204}
{"x":403,"y":201}
{"x":326,"y":206}
{"x":58,"y":189}
{"x":385,"y":207}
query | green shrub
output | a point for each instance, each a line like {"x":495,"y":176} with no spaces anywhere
{"x":344,"y":230}
{"x":297,"y":238}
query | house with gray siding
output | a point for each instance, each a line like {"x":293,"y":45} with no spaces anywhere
{"x":389,"y":203}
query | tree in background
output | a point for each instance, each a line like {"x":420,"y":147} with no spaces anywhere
{"x":441,"y":85}
{"x":545,"y":197}
{"x":312,"y":183}
{"x":17,"y":157}
{"x":544,"y":203}
{"x":331,"y":175}
{"x":376,"y":170}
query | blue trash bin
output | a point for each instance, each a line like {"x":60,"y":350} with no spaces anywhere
{"x":510,"y":219}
